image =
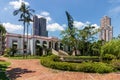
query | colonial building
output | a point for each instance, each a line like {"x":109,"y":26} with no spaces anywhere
{"x":106,"y":32}
{"x":35,"y":44}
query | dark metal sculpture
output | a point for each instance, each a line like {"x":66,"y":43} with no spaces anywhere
{"x":70,"y":20}
{"x":72,"y":31}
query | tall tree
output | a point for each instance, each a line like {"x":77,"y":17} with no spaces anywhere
{"x":69,"y":40}
{"x":25,"y":16}
{"x":2,"y":37}
{"x":86,"y":36}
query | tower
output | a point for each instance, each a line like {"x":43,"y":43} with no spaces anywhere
{"x":106,"y":32}
{"x":39,"y":26}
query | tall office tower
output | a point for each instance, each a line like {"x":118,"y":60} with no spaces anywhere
{"x":39,"y":26}
{"x":106,"y":32}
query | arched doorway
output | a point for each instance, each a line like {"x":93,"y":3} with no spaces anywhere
{"x":69,"y":49}
{"x":14,"y":47}
{"x":44,"y":47}
{"x":61,"y":46}
{"x":44,"y":44}
{"x":50,"y":45}
{"x":56,"y":46}
{"x":39,"y":49}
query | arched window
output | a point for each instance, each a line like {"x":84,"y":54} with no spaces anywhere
{"x":50,"y":44}
{"x":38,"y":48}
{"x":56,"y":46}
{"x":44,"y":44}
{"x":61,"y":46}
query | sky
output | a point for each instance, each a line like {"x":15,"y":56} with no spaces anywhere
{"x":83,"y":12}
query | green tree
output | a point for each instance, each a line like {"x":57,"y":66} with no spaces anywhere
{"x":86,"y":37}
{"x":25,"y":16}
{"x":69,"y":36}
{"x":118,"y":37}
{"x":2,"y":37}
{"x":96,"y":47}
{"x":111,"y":47}
{"x":78,"y":40}
{"x":83,"y":39}
{"x":69,"y":40}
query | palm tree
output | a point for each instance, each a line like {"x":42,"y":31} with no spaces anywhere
{"x":2,"y":36}
{"x":25,"y":16}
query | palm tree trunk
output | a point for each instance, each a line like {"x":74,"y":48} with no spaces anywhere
{"x":27,"y":36}
{"x":24,"y":40}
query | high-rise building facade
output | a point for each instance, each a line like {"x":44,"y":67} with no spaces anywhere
{"x":39,"y":26}
{"x":106,"y":32}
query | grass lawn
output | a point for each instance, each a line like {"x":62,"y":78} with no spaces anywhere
{"x":3,"y":67}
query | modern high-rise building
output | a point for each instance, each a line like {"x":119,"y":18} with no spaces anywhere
{"x":39,"y":26}
{"x":106,"y":32}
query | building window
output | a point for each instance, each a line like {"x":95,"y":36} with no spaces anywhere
{"x":14,"y":44}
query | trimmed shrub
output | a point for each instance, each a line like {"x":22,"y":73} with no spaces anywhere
{"x":3,"y":67}
{"x":116,"y":64}
{"x":108,"y":57}
{"x":7,"y":52}
{"x":79,"y":59}
{"x":96,"y":67}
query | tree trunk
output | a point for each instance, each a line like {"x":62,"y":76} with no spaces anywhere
{"x":27,"y":41}
{"x":24,"y":40}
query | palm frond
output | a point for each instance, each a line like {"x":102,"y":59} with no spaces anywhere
{"x":22,"y":15}
{"x":21,"y":20}
{"x":16,"y":12}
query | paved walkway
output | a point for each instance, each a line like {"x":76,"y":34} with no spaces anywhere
{"x":31,"y":69}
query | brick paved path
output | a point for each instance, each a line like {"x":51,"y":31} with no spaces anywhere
{"x":31,"y":69}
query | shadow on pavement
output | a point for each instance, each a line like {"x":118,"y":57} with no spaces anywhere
{"x":15,"y":73}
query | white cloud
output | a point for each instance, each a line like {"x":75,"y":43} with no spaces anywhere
{"x":88,"y":23}
{"x":78,"y":24}
{"x":49,"y":19}
{"x":81,"y":25}
{"x":54,"y":27}
{"x":44,"y":13}
{"x":17,"y":4}
{"x":95,"y":25}
{"x":12,"y":27}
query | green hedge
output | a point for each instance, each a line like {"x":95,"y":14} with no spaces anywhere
{"x":81,"y":58}
{"x":116,"y":64}
{"x":96,"y":67}
{"x":3,"y":67}
{"x":109,"y":57}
